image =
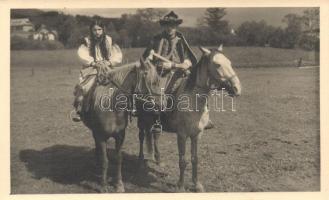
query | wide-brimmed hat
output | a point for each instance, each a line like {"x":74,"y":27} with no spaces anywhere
{"x":170,"y":18}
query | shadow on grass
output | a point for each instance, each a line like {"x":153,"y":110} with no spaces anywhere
{"x":66,"y":164}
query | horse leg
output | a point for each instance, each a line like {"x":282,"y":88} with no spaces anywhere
{"x":118,"y":144}
{"x":181,"y":142}
{"x":149,"y":145}
{"x":102,"y":157}
{"x":156,"y":149}
{"x":141,"y":142}
{"x":194,"y":160}
{"x":142,"y":163}
{"x":97,"y":156}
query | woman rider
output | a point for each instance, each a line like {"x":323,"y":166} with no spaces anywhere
{"x":95,"y":52}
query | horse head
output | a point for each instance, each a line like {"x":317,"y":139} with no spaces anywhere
{"x":220,"y":71}
{"x":149,"y":85}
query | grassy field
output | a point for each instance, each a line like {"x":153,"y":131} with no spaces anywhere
{"x":240,"y":57}
{"x":271,"y":143}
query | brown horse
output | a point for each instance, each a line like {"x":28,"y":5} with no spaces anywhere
{"x":213,"y":67}
{"x":105,"y":114}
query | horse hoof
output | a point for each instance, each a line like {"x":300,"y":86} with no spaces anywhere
{"x":149,"y":157}
{"x":180,"y":187}
{"x":120,"y":188}
{"x":199,"y":187}
{"x":210,"y":125}
{"x":104,"y":189}
{"x":161,"y":164}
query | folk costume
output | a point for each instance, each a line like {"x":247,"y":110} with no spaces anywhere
{"x":95,"y":64}
{"x":175,"y":49}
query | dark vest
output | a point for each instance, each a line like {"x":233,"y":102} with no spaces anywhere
{"x":176,"y":50}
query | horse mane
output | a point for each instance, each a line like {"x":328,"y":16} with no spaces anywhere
{"x":119,"y":73}
{"x":152,"y":74}
{"x":191,"y":81}
{"x":204,"y":60}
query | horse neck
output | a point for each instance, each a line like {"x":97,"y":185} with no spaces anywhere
{"x":198,"y":80}
{"x":197,"y":85}
{"x":126,"y":80}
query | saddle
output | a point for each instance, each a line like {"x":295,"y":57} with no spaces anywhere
{"x":167,"y":83}
{"x":90,"y":78}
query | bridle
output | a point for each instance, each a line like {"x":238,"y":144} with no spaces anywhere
{"x":140,"y":78}
{"x":227,"y":81}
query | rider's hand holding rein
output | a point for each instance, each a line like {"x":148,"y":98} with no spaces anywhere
{"x":185,"y":65}
{"x":168,"y":65}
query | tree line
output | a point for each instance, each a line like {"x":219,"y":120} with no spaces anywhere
{"x":136,"y":30}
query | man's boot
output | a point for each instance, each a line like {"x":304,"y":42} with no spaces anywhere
{"x":156,"y":127}
{"x":209,"y":125}
{"x":78,"y":109}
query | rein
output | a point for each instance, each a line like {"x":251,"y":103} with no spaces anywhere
{"x":125,"y":91}
{"x":231,"y":77}
{"x":119,"y":86}
{"x":149,"y":89}
{"x":206,"y":87}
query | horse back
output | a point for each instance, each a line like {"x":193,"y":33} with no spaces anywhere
{"x":101,"y":115}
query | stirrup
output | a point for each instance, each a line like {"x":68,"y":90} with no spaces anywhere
{"x":134,"y":113}
{"x":210,"y":125}
{"x":156,"y":127}
{"x":74,"y":116}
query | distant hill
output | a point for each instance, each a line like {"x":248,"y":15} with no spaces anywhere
{"x":25,"y":13}
{"x":134,"y":31}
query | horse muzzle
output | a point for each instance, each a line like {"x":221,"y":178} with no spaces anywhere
{"x":232,"y":86}
{"x":235,"y":87}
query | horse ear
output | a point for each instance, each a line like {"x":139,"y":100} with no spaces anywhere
{"x":204,"y":50}
{"x":220,"y":48}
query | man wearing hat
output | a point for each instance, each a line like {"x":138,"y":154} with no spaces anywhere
{"x":171,"y":45}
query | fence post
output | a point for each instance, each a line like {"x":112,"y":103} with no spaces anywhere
{"x":300,"y":61}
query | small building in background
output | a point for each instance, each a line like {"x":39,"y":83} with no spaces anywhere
{"x":44,"y":34}
{"x":233,"y":31}
{"x":22,"y":27}
{"x":23,"y":24}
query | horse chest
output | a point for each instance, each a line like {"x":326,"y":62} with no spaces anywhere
{"x":193,"y":122}
{"x":204,"y":119}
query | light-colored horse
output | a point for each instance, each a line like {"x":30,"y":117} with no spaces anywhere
{"x":213,"y":67}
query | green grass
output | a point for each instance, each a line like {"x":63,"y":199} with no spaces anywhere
{"x":271,"y":143}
